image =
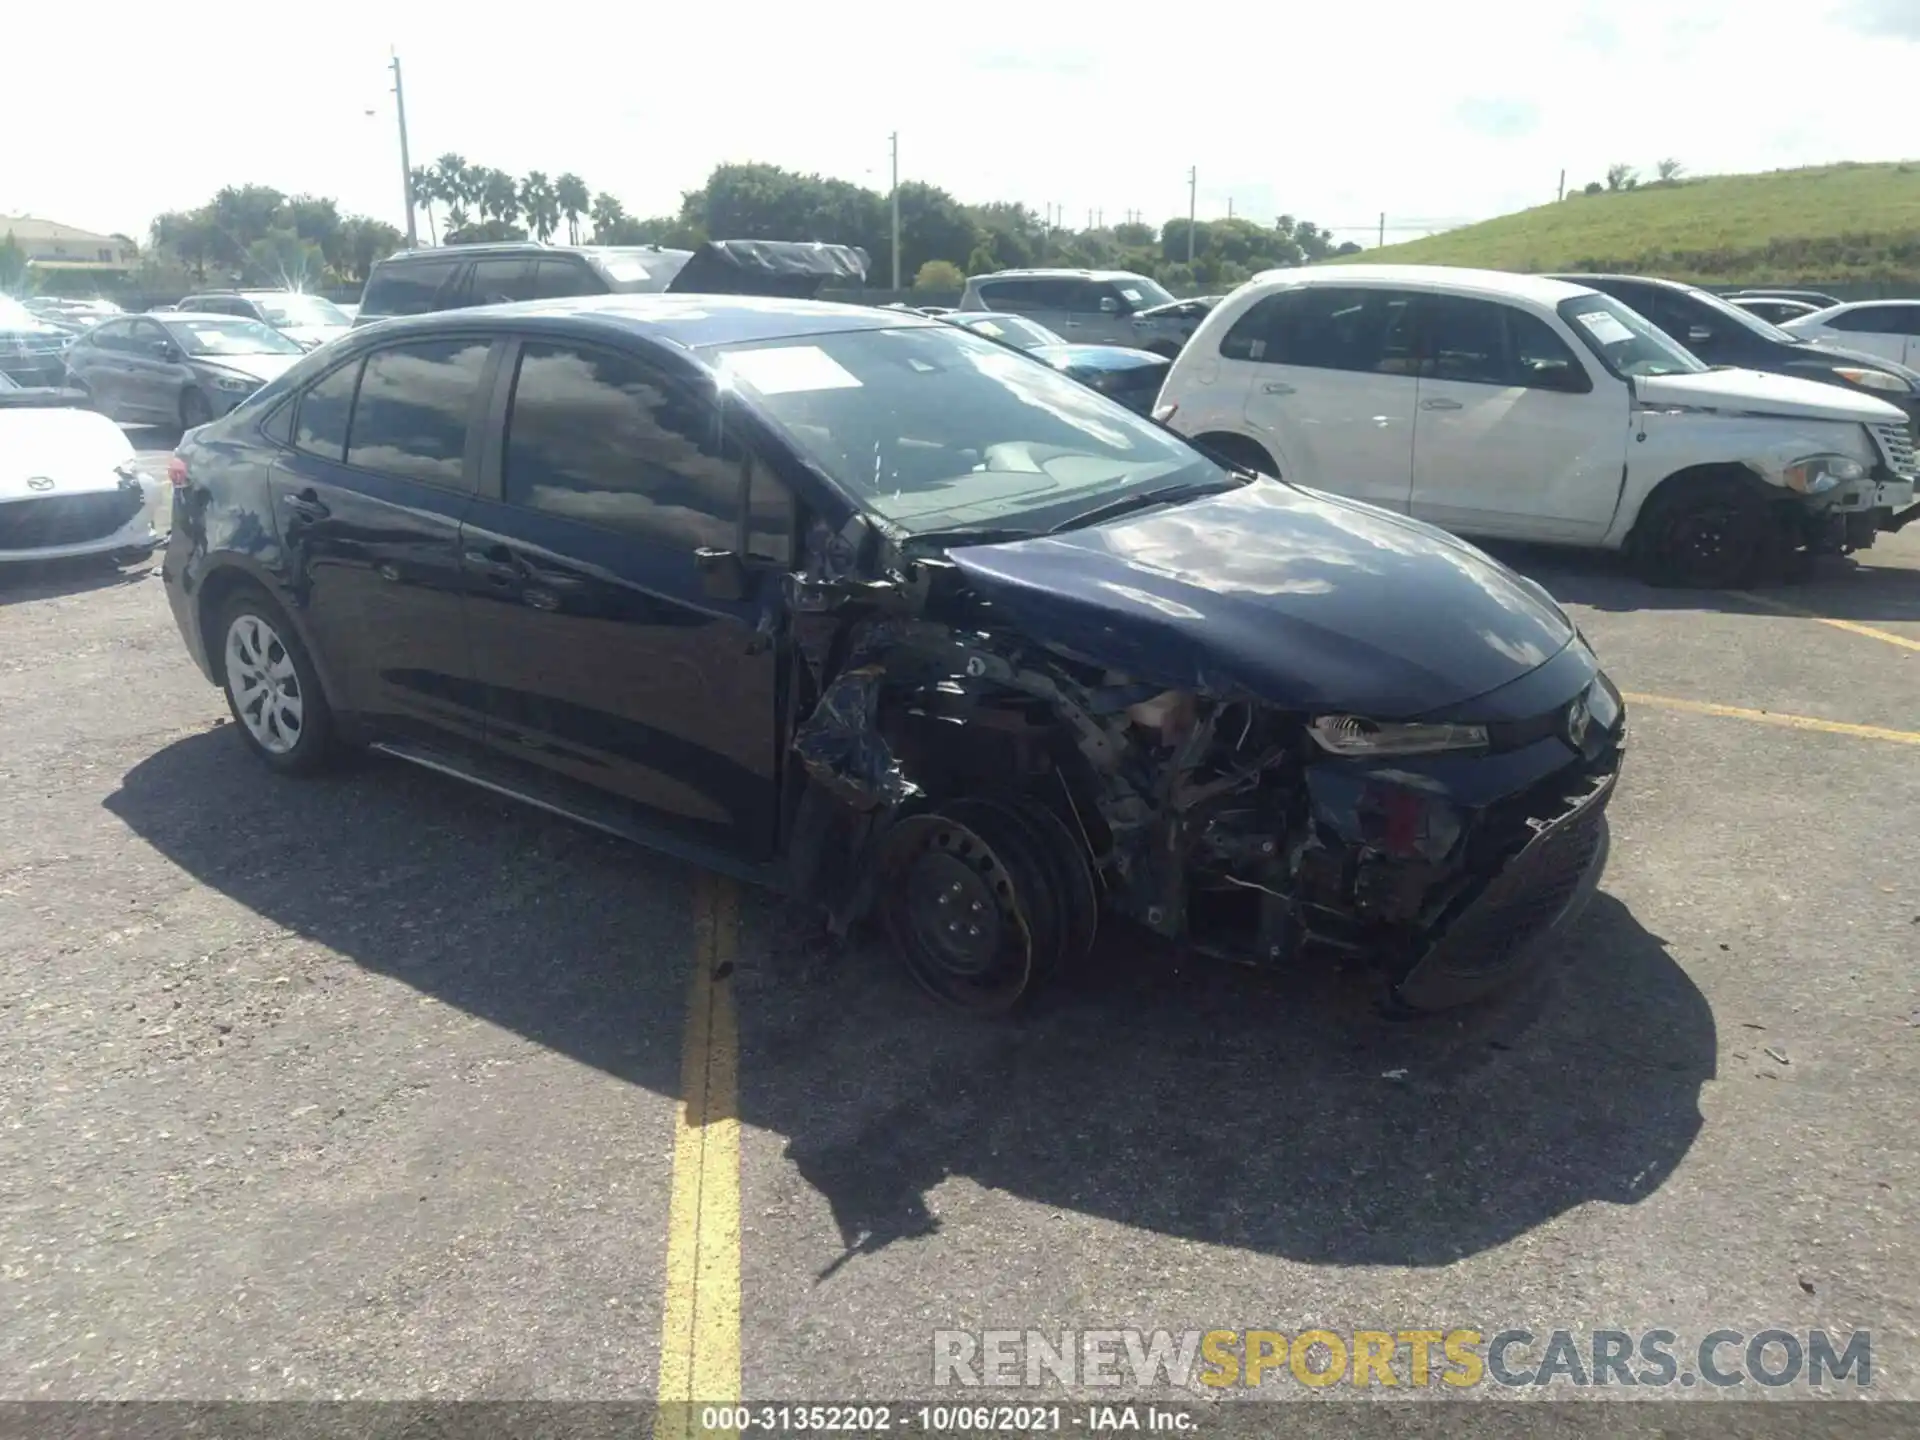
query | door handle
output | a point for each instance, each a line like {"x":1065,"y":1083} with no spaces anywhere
{"x":1441,"y":405}
{"x":495,"y":562}
{"x":306,"y":506}
{"x":1277,"y":387}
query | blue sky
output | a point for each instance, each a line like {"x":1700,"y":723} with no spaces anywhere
{"x":1432,"y":112}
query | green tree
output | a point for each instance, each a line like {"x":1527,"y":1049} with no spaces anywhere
{"x":426,"y":190}
{"x":939,"y":275}
{"x":540,"y":205}
{"x":452,"y":181}
{"x":608,"y":215}
{"x":571,"y":193}
{"x":1620,"y":176}
{"x":361,"y":242}
{"x":499,"y":196}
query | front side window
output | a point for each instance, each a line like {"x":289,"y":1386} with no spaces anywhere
{"x":597,"y":436}
{"x":115,"y":335}
{"x":936,"y":428}
{"x":1482,"y":342}
{"x":1623,"y":340}
{"x":411,"y":416}
{"x":498,"y":282}
{"x":320,"y":424}
{"x":1137,"y":292}
{"x":230,"y":335}
{"x":147,"y":338}
{"x":554,"y":279}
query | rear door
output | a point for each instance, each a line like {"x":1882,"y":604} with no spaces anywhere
{"x":1512,"y":436}
{"x":1331,"y":387}
{"x":499,"y":280}
{"x":99,"y":360}
{"x":149,"y":380}
{"x":604,"y":660}
{"x":1878,"y":329}
{"x":368,"y":501}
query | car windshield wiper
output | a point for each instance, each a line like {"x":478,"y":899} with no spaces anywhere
{"x":1165,"y":495}
{"x":973,"y":535}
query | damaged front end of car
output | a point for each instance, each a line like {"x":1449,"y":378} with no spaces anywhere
{"x":988,"y":790}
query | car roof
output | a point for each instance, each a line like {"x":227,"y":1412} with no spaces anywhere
{"x":1055,"y":272}
{"x":688,"y":321}
{"x":1510,"y":284}
{"x":1583,"y":278}
{"x":519,"y":247}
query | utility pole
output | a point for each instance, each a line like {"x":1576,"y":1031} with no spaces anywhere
{"x":1193,"y":202}
{"x":1383,"y":227}
{"x":894,"y":141}
{"x":1561,"y":193}
{"x":1229,"y":207}
{"x":406,"y":163}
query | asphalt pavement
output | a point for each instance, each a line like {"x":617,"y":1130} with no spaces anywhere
{"x":375,"y":1086}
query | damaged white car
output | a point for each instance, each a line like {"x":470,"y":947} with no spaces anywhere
{"x":1526,"y":408}
{"x":70,"y":484}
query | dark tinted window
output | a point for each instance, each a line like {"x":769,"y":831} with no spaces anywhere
{"x":411,"y":415}
{"x":115,"y":335}
{"x":321,"y":427}
{"x":278,"y":424}
{"x":1040,"y":294}
{"x":770,"y":517}
{"x":1326,"y":327}
{"x":1482,"y":342}
{"x":1876,"y":320}
{"x":495,"y":282}
{"x":407,"y":287}
{"x":1542,"y":359}
{"x":596,"y":436}
{"x":556,"y":278}
{"x":146,"y":335}
{"x":1664,"y":308}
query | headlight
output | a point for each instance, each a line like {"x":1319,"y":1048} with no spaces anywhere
{"x":1871,"y":379}
{"x":1351,"y":735}
{"x":1818,"y":474}
{"x":236,"y":384}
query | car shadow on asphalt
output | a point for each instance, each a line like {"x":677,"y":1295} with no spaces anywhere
{"x":1226,"y":1106}
{"x":26,"y":580}
{"x":1840,"y":588}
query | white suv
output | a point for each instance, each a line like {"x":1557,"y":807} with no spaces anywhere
{"x":1519,"y":407}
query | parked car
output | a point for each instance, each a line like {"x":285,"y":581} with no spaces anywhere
{"x":1163,"y":329}
{"x":1082,"y":305}
{"x":418,"y":282}
{"x":1133,"y":377}
{"x":1773,"y":311}
{"x":177,"y":368}
{"x":32,"y":351}
{"x":308,"y":320}
{"x":69,"y":482}
{"x":1889,"y":329}
{"x":1721,"y":333}
{"x":72,"y":316}
{"x":1819,"y":299}
{"x":1533,"y":409}
{"x":864,"y":606}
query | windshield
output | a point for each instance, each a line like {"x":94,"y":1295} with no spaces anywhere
{"x":289,"y":311}
{"x":230,"y":337}
{"x":936,"y":428}
{"x":15,"y":316}
{"x":1626,"y":341}
{"x":1012,"y":330}
{"x":1141,"y":292}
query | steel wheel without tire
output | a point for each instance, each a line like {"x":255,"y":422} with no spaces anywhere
{"x":271,"y":688}
{"x":1710,"y":537}
{"x":194,"y":410}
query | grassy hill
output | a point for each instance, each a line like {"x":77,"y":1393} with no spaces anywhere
{"x":1832,"y":222}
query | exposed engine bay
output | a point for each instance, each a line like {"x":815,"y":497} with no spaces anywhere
{"x":989,"y":795}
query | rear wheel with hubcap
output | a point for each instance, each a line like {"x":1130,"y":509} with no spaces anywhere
{"x":271,"y":686}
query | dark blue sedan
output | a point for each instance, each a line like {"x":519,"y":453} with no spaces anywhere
{"x":1133,"y":377}
{"x":885,"y":614}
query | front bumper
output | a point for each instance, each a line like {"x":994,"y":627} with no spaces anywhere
{"x":66,"y":526}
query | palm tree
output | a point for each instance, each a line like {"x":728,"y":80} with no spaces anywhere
{"x":571,"y":192}
{"x":426,"y":190}
{"x":453,"y":181}
{"x":608,"y":212}
{"x":538,"y":204}
{"x":499,"y":197}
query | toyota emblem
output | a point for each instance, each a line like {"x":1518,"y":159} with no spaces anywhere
{"x":1578,"y":718}
{"x":39,"y":482}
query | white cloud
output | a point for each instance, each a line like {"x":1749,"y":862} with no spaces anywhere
{"x":1428,"y":112}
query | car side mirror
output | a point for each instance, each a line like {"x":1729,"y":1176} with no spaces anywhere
{"x":166,"y":349}
{"x":1698,"y":334}
{"x":723,"y":576}
{"x":1109,"y":305}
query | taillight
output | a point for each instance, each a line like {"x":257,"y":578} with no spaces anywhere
{"x":177,"y":472}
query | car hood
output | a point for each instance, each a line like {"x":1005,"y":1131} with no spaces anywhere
{"x":260,"y":367}
{"x":75,"y":449}
{"x":1098,"y":357}
{"x":1286,"y":595}
{"x":1847,"y":355}
{"x":313,"y":335}
{"x":1754,"y":392}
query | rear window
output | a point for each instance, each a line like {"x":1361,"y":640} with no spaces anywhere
{"x":408,"y":287}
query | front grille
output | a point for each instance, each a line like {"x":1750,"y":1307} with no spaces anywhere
{"x":44,"y":521}
{"x":1527,"y":895}
{"x":1896,"y":443}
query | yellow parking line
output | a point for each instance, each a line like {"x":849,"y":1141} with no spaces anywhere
{"x":1774,"y":717}
{"x":1853,"y":626}
{"x":700,"y":1327}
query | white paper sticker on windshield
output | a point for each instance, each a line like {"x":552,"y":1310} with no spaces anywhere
{"x":1604,"y":327}
{"x":790,"y":369}
{"x":987,"y":327}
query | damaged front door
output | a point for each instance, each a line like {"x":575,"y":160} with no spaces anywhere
{"x":622,"y":637}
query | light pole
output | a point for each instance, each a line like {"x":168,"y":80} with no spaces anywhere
{"x":406,"y":162}
{"x":1193,"y":192}
{"x":893,"y":141}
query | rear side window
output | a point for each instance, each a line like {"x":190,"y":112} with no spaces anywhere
{"x":411,"y":416}
{"x":1878,"y":320}
{"x":1042,"y":294}
{"x":1327,"y":327}
{"x":320,"y":427}
{"x":595,"y":436}
{"x":556,"y":278}
{"x":408,"y":287}
{"x":496,"y":282}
